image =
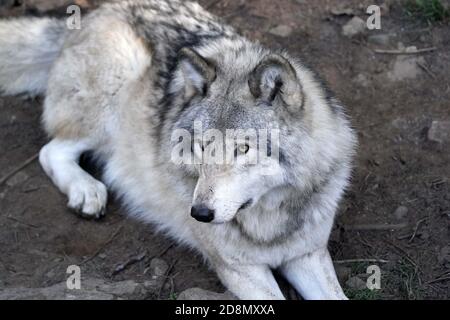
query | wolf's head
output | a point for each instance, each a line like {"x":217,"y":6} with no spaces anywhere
{"x":241,"y":120}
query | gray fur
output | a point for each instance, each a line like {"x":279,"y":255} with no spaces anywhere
{"x":28,"y":48}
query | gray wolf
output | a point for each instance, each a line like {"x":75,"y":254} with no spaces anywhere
{"x":139,"y":70}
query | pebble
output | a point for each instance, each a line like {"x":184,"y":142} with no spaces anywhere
{"x":354,"y":27}
{"x":281,"y":30}
{"x":356,"y":283}
{"x":201,"y":294}
{"x":91,"y":289}
{"x":444,"y":255}
{"x":405,"y":67}
{"x":342,"y":10}
{"x":400,"y":212}
{"x":343,"y":273}
{"x":382,"y":39}
{"x":439,"y":131}
{"x":362,"y":80}
{"x":158,"y":267}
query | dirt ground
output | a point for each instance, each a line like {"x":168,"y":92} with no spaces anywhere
{"x":396,"y":212}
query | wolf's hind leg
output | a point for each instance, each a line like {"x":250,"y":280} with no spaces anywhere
{"x":250,"y":282}
{"x":313,"y":276}
{"x":59,"y":158}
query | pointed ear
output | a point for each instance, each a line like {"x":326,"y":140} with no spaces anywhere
{"x":197,"y":72}
{"x":275,"y":78}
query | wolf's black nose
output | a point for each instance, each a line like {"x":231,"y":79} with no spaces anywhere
{"x":202,"y":213}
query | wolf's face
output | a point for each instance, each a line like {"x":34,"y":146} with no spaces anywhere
{"x":222,"y":190}
{"x":233,"y":119}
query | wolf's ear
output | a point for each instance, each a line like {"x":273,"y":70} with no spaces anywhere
{"x":275,"y":78}
{"x":197,"y":72}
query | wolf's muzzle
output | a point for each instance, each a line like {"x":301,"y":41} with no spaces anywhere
{"x":202,"y":213}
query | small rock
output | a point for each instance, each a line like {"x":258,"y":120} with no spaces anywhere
{"x":411,"y":49}
{"x":343,"y":273}
{"x":356,"y":283}
{"x":444,"y":255}
{"x":200,"y":294}
{"x":158,"y":267}
{"x":380,"y":39}
{"x":91,"y":289}
{"x":152,"y":285}
{"x":17,"y":179}
{"x":30,"y":187}
{"x":362,"y":80}
{"x":342,"y":10}
{"x":400,"y":123}
{"x":121,"y":288}
{"x":439,"y":131}
{"x":354,"y":27}
{"x":400,"y":212}
{"x":405,"y":67}
{"x":281,"y":30}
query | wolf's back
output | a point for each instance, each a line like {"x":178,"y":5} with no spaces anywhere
{"x":28,"y":48}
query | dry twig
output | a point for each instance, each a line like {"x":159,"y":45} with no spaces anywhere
{"x":21,"y":222}
{"x":169,"y":270}
{"x":360,"y":260}
{"x":427,"y":70}
{"x":377,"y":227}
{"x":119,"y":268}
{"x":416,"y":228}
{"x":103,"y":246}
{"x":417,"y":51}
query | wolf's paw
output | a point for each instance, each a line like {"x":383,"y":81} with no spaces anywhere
{"x":88,"y":198}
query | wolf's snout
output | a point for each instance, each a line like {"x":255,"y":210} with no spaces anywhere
{"x":202,"y":213}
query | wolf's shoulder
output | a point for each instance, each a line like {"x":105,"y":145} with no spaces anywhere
{"x":170,"y":20}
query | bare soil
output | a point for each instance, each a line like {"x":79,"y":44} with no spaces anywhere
{"x":397,"y":164}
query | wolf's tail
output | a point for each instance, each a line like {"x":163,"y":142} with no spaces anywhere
{"x":28,"y":47}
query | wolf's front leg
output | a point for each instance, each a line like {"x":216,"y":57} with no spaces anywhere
{"x":313,"y":276}
{"x":250,"y":282}
{"x":59,"y":158}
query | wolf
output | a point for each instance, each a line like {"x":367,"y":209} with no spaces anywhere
{"x":139,"y":70}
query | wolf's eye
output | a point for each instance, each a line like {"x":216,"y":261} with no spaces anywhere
{"x":242,"y":149}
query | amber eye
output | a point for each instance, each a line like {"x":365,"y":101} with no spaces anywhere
{"x":242,"y":149}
